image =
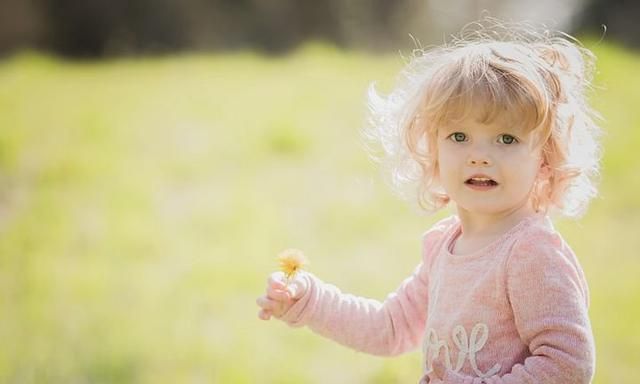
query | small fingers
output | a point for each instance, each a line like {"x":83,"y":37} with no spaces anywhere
{"x":277,"y":280}
{"x":265,"y":307}
{"x":265,"y":302}
{"x":439,"y":370}
{"x":275,"y":308}
{"x":278,"y":287}
{"x":264,"y":314}
{"x":298,"y":287}
{"x":278,"y":293}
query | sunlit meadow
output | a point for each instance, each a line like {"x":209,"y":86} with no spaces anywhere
{"x":143,"y":203}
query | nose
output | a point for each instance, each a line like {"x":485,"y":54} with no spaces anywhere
{"x":477,"y":160}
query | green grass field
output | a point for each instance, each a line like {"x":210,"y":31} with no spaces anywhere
{"x":143,"y":201}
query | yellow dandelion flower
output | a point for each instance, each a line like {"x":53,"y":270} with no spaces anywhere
{"x":291,"y":261}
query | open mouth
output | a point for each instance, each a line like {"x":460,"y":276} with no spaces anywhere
{"x":481,"y":182}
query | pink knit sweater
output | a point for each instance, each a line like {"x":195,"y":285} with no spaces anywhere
{"x":514,"y":311}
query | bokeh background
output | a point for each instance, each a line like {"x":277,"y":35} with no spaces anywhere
{"x":155,"y":156}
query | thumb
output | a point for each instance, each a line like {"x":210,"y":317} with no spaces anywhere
{"x":298,"y":286}
{"x":439,"y":369}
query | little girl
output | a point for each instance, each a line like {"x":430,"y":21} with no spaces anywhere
{"x":497,"y":124}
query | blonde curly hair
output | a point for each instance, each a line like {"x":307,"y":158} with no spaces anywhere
{"x":516,"y":69}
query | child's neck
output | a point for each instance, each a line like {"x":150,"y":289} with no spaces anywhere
{"x":477,"y":225}
{"x":480,"y":230}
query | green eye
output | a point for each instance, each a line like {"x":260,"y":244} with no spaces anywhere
{"x":507,"y":139}
{"x":458,"y":137}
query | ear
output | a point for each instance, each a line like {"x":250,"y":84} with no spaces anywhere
{"x":544,"y":172}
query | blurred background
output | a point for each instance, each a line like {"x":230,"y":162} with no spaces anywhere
{"x":100,"y":28}
{"x":156,"y":156}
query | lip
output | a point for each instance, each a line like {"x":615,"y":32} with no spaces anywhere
{"x":481,"y":187}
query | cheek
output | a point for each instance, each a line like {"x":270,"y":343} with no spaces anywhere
{"x":446,"y":165}
{"x":448,"y":158}
{"x":525,"y":173}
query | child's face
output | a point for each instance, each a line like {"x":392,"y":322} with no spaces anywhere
{"x":500,"y":151}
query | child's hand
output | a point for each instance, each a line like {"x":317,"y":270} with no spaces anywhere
{"x":441,"y":374}
{"x":280,"y":295}
{"x":438,"y":372}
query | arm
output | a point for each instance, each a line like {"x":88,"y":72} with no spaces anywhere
{"x":549,"y":298}
{"x":381,"y":328}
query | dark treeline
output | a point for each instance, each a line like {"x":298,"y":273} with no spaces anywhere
{"x":96,"y":28}
{"x":93,"y":28}
{"x":620,"y":18}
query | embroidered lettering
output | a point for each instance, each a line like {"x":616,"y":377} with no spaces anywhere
{"x":468,"y":347}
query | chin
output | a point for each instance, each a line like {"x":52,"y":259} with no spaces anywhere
{"x":484,"y":209}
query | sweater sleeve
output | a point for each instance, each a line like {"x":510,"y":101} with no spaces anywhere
{"x":386,"y":328}
{"x":549,"y":298}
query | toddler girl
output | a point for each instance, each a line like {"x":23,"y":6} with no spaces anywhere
{"x":497,"y":124}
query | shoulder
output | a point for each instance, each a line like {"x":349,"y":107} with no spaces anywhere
{"x":538,"y":236}
{"x":433,"y":239}
{"x":537,"y":245}
{"x":540,"y":239}
{"x":439,"y":230}
{"x":541,"y":255}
